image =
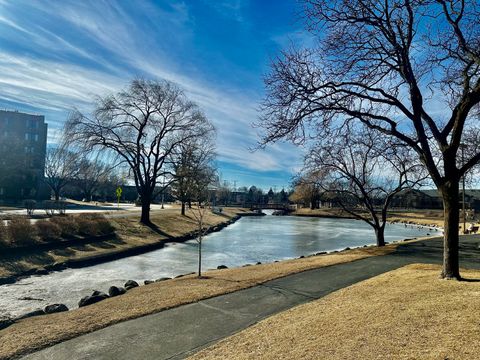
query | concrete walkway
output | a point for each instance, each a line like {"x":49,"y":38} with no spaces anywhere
{"x":179,"y":332}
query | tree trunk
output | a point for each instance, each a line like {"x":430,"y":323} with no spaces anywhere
{"x":200,"y":256}
{"x":451,"y":209}
{"x":56,"y":193}
{"x":183,"y":208}
{"x":380,"y":235}
{"x":145,"y":217}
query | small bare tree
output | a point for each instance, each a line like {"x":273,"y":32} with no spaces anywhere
{"x":61,"y":167}
{"x":364,"y":171}
{"x":93,"y":172}
{"x":199,"y":211}
{"x":142,"y":125}
{"x":193,"y":169}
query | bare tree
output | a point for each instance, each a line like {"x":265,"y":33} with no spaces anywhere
{"x":365,"y":171}
{"x":193,"y":169}
{"x":92,"y":172}
{"x":406,"y":68}
{"x":199,"y":211}
{"x":142,"y":125}
{"x":307,"y":189}
{"x":61,"y":167}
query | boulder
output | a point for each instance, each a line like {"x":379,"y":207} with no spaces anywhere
{"x":41,"y":271}
{"x":130,"y":284}
{"x":31,"y":314}
{"x":55,"y":308}
{"x":182,"y":275}
{"x":162,"y":279}
{"x":258,"y":263}
{"x":220,"y":267}
{"x":88,"y":300}
{"x":5,"y":322}
{"x":148,"y":282}
{"x":98,"y":293}
{"x":115,"y":291}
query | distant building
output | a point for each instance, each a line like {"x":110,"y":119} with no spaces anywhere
{"x":431,"y":199}
{"x":23,"y":142}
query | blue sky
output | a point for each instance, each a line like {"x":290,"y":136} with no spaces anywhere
{"x":56,"y":55}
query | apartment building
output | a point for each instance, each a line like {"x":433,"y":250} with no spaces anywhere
{"x":23,"y":141}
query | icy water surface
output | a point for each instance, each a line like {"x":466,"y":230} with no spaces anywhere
{"x":249,"y":240}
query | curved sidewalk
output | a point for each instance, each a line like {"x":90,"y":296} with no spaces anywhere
{"x":179,"y":332}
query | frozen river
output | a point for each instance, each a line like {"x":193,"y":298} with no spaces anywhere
{"x":249,"y":240}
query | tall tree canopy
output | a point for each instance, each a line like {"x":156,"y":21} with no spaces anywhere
{"x":142,"y":125}
{"x":405,"y":68}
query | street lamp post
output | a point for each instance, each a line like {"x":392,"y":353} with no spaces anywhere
{"x":163,"y":191}
{"x":463,"y":193}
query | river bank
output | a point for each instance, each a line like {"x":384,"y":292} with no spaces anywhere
{"x":130,"y":238}
{"x":31,"y":334}
{"x":427,"y":218}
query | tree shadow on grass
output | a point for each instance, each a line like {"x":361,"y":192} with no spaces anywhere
{"x":157,"y":230}
{"x":83,"y":248}
{"x":470,"y":280}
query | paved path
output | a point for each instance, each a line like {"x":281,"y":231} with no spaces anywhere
{"x":179,"y":332}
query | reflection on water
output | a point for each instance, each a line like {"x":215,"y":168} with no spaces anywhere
{"x":249,"y":240}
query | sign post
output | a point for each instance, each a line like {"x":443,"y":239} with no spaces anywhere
{"x":119,"y":195}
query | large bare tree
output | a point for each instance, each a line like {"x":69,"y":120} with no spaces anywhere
{"x":406,"y":68}
{"x":364,"y":170}
{"x":142,"y":125}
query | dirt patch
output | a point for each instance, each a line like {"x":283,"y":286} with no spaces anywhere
{"x":408,"y":313}
{"x":35,"y":333}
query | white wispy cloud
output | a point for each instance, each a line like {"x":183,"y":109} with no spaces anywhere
{"x":56,"y":83}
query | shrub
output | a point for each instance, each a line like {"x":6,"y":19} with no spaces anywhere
{"x":87,"y":226}
{"x":30,"y":205}
{"x":93,"y":225}
{"x":3,"y":233}
{"x":48,"y":230}
{"x":21,"y":231}
{"x":67,"y":225}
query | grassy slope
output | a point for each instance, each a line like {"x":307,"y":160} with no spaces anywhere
{"x":408,"y":313}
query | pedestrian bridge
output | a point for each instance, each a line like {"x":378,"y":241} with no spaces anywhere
{"x":274,"y":206}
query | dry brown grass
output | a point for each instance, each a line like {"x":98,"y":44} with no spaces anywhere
{"x":408,"y":313}
{"x":421,"y":217}
{"x":36,"y":333}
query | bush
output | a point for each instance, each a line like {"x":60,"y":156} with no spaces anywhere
{"x":67,"y":225}
{"x":21,"y":231}
{"x":51,"y":207}
{"x":48,"y":230}
{"x":94,"y":225}
{"x":3,"y":233}
{"x":87,"y":226}
{"x":30,"y":205}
